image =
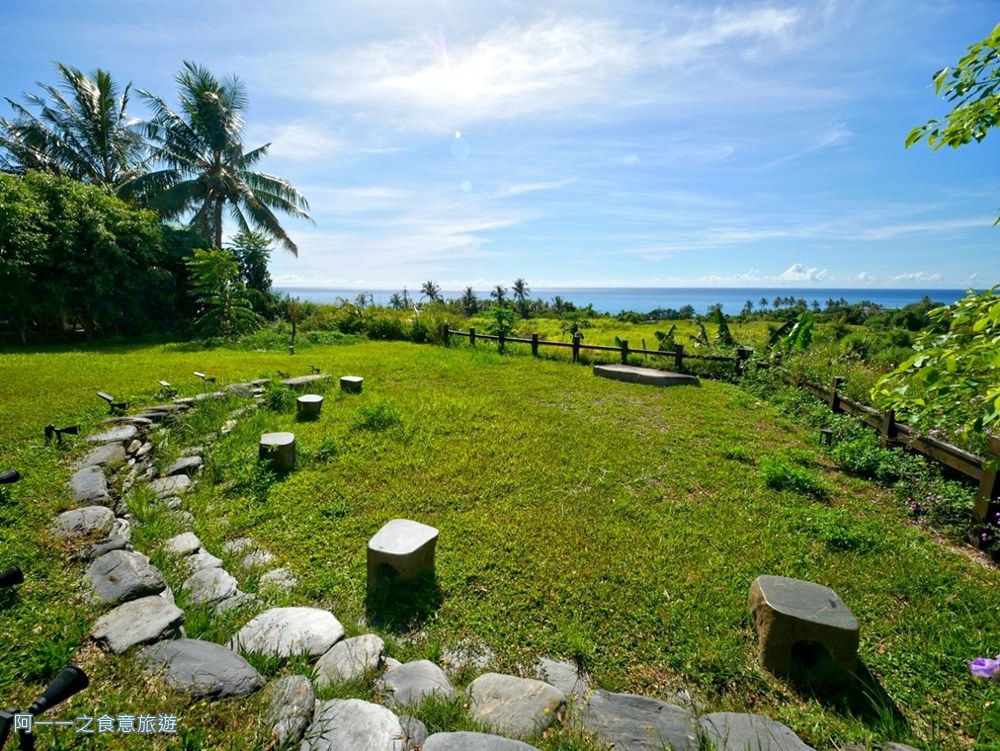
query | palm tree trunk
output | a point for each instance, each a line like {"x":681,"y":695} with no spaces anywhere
{"x":218,"y":221}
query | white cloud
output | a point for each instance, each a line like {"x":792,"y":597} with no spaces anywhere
{"x":519,"y":188}
{"x":798,"y":272}
{"x":834,"y":136}
{"x":891,"y":231}
{"x":551,"y":65}
{"x":864,"y":276}
{"x":630,"y":160}
{"x":917,"y":276}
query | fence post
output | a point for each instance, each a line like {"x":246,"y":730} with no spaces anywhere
{"x":534,"y":345}
{"x":742,"y":356}
{"x":987,"y":508}
{"x":500,"y":341}
{"x":576,"y":347}
{"x":679,"y":356}
{"x":444,"y":333}
{"x":624,"y":351}
{"x":472,"y":335}
{"x":834,"y":396}
{"x":887,"y":427}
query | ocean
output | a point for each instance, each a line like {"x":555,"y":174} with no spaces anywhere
{"x":646,"y":299}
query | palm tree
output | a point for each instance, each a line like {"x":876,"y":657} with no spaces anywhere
{"x":205,"y":166}
{"x":81,"y":130}
{"x":396,"y":301}
{"x":469,"y":301}
{"x":499,"y":294}
{"x":431,"y":291}
{"x":521,"y":290}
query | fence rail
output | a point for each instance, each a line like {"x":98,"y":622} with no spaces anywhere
{"x":980,"y":469}
{"x":678,"y":354}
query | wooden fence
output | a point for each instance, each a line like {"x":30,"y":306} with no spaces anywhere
{"x":677,"y":355}
{"x":980,"y":469}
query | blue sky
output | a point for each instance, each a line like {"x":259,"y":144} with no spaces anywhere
{"x":583,"y":143}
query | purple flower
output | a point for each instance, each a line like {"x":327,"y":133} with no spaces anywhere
{"x":984,"y":667}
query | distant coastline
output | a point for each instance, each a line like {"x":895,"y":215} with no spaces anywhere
{"x":645,"y":299}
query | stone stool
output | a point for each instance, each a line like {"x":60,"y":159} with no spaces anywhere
{"x":309,"y":405}
{"x":790,"y":612}
{"x":279,"y":450}
{"x":351,"y":384}
{"x":405,"y":547}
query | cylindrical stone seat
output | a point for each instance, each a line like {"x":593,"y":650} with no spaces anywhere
{"x":790,"y":612}
{"x":309,"y":405}
{"x":402,"y":550}
{"x":351,"y":384}
{"x":279,"y":450}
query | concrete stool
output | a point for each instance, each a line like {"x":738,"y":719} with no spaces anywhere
{"x":402,"y":548}
{"x":351,"y":384}
{"x":279,"y":450}
{"x":790,"y":612}
{"x":309,"y":405}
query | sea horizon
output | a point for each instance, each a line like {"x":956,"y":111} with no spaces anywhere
{"x":645,"y":299}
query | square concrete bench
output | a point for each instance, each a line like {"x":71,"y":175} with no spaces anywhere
{"x":792,"y":616}
{"x":309,"y":405}
{"x":403,"y":550}
{"x":351,"y":384}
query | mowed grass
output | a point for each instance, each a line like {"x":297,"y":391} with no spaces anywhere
{"x":614,"y":525}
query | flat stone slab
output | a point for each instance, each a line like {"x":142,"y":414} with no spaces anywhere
{"x":187,"y":465}
{"x":123,"y":434}
{"x":108,"y":454}
{"x":202,"y":669}
{"x":563,"y":675}
{"x":286,"y":631}
{"x":279,"y":578}
{"x":89,"y":485}
{"x":186,"y":543}
{"x":627,"y":722}
{"x":649,"y":376}
{"x":209,"y":585}
{"x":519,"y":707}
{"x":349,"y":660}
{"x":404,"y":546}
{"x":256,"y":559}
{"x":143,"y":621}
{"x":474,"y":742}
{"x":173,"y":485}
{"x":99,"y":548}
{"x":411,"y":682}
{"x":89,"y":521}
{"x":300,"y":381}
{"x":792,"y":611}
{"x":123,"y":575}
{"x":731,"y":731}
{"x":200,"y":561}
{"x":290,"y":710}
{"x":353,"y":725}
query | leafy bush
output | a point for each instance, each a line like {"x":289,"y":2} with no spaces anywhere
{"x":279,"y":398}
{"x":378,"y":416}
{"x":779,"y":475}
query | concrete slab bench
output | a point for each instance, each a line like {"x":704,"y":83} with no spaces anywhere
{"x":351,"y":384}
{"x":402,"y":549}
{"x":302,"y":381}
{"x":793,"y":615}
{"x":649,"y":376}
{"x":309,"y":405}
{"x":279,"y":450}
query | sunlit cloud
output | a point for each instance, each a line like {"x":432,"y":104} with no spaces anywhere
{"x":798,"y":272}
{"x":917,"y":276}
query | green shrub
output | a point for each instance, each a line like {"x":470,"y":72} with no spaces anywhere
{"x":378,"y":416}
{"x":779,"y":475}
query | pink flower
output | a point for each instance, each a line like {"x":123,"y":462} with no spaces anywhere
{"x":984,"y":667}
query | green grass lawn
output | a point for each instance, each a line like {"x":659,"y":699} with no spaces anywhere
{"x":616,"y":525}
